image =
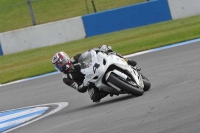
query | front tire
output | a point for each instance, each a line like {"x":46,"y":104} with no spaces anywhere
{"x":147,"y":83}
{"x":128,"y":88}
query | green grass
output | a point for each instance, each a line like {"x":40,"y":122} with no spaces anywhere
{"x":38,"y":61}
{"x":14,"y":14}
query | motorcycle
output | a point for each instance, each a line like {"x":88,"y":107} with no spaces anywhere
{"x":112,"y":74}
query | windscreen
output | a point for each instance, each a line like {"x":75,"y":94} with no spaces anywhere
{"x":85,"y":60}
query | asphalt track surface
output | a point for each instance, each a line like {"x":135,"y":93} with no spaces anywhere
{"x":171,"y":106}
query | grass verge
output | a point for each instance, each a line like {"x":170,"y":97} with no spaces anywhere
{"x":38,"y":61}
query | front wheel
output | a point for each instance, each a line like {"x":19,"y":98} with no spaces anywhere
{"x":147,"y":83}
{"x":121,"y":84}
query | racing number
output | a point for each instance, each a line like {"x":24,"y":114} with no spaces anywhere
{"x":95,"y":67}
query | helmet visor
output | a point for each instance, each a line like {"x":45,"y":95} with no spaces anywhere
{"x":58,"y":67}
{"x":63,"y":65}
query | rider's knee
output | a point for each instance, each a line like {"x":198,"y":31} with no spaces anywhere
{"x":94,"y":95}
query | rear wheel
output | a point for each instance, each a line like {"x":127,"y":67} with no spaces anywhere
{"x":124,"y":86}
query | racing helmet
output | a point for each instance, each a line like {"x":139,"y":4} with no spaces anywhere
{"x":62,"y":62}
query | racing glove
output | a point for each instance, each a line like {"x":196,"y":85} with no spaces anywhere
{"x":132,"y":63}
{"x":64,"y":67}
{"x":85,"y":82}
{"x":106,"y":48}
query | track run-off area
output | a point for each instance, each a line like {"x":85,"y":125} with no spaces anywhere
{"x":170,"y":106}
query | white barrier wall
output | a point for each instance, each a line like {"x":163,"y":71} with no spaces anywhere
{"x":42,"y":35}
{"x":184,"y":8}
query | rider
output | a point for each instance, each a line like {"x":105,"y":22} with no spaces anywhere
{"x":72,"y":76}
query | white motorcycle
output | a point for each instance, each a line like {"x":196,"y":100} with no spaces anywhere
{"x":112,"y":74}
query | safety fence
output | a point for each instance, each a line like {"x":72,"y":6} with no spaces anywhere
{"x":152,"y":11}
{"x":15,"y":14}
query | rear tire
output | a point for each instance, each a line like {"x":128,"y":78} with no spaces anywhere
{"x":116,"y":81}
